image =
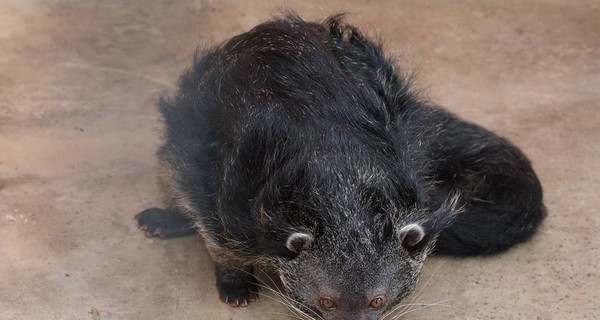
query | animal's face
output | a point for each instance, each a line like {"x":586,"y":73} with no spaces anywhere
{"x":353,"y":275}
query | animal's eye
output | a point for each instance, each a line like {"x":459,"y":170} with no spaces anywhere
{"x":377,"y":303}
{"x":327,"y":303}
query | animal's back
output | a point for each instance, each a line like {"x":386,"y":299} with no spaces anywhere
{"x":286,"y":89}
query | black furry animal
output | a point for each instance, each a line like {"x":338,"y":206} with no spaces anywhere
{"x":299,"y":146}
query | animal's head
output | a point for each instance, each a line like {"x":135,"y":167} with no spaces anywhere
{"x":360,"y":269}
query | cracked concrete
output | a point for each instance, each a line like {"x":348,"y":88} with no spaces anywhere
{"x":78,"y":132}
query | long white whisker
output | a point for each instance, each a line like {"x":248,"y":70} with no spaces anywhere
{"x":279,"y":298}
{"x":291,"y":302}
{"x":417,"y":297}
{"x":286,"y":304}
{"x":440,"y":303}
{"x":286,"y":301}
{"x":283,"y":314}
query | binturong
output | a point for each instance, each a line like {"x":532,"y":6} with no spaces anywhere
{"x":300,"y":147}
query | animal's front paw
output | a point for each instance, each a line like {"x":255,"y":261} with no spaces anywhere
{"x":237,"y":287}
{"x":160,"y":223}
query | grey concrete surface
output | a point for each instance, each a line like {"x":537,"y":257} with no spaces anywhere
{"x":78,"y":132}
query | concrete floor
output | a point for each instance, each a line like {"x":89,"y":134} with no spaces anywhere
{"x":78,"y":132}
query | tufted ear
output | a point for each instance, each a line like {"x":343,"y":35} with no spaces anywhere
{"x":443,"y":216}
{"x":298,"y":241}
{"x":411,"y":235}
{"x":452,"y":204}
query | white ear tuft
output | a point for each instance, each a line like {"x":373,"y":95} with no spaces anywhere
{"x":298,"y":241}
{"x":411,"y":234}
{"x":451,"y":203}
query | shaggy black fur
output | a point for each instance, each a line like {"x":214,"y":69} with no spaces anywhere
{"x":298,"y":128}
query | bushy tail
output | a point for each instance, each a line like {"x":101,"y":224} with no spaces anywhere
{"x":501,"y":194}
{"x":490,"y":227}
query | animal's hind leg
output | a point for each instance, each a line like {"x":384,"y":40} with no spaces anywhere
{"x":164,"y":224}
{"x":502,"y":196}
